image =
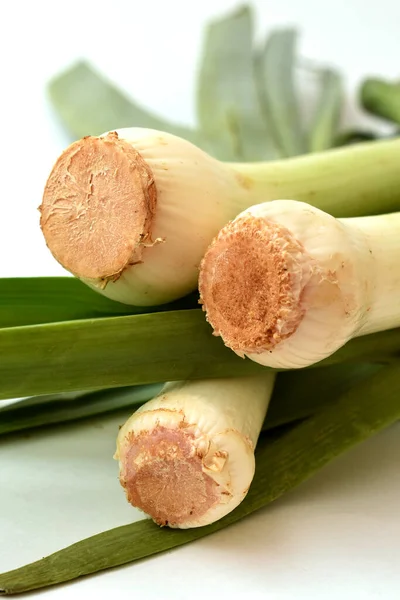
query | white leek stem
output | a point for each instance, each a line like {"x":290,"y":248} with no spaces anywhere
{"x":287,"y":284}
{"x":382,"y":236}
{"x":187,"y":457}
{"x":131,"y":213}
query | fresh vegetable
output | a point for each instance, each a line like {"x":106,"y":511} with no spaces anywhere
{"x":36,"y":300}
{"x":89,"y":104}
{"x":138,"y":349}
{"x":282,"y":463}
{"x":248,"y":109}
{"x":286,"y":284}
{"x":325,"y":122}
{"x":275,"y":65}
{"x":186,"y":458}
{"x":231,"y":120}
{"x":297,"y":394}
{"x":235,"y":117}
{"x":382,"y":98}
{"x":53,"y":409}
{"x":132,"y":213}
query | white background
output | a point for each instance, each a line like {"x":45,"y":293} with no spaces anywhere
{"x":335,"y":536}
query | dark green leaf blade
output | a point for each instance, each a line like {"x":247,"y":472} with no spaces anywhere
{"x":355,"y":136}
{"x":138,"y":349}
{"x":88,"y":104}
{"x":297,"y":394}
{"x":275,"y":66}
{"x":109,"y":352}
{"x":229,"y":112}
{"x":39,"y":411}
{"x":35,"y":300}
{"x":381,"y":98}
{"x":301,"y":393}
{"x":323,"y":130}
{"x":282,"y":464}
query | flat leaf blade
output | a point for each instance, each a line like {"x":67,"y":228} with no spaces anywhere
{"x":88,"y":104}
{"x":109,"y":352}
{"x":228,"y":108}
{"x":381,"y":98}
{"x":38,"y":411}
{"x":324,"y":129}
{"x":303,"y":392}
{"x":275,"y":66}
{"x":296,"y":395}
{"x":34,"y":300}
{"x":134,"y":350}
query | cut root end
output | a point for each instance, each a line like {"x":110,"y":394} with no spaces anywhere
{"x":98,"y":207}
{"x":163,"y":473}
{"x":251,"y":281}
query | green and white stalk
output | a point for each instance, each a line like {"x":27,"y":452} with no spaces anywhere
{"x":131,"y":213}
{"x":287,"y":285}
{"x":187,"y":457}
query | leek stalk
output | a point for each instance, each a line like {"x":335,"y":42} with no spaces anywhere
{"x":287,"y":284}
{"x":131,"y":213}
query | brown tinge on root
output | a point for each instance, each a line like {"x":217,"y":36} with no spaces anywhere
{"x":98,"y":206}
{"x":251,"y":280}
{"x":163,"y":476}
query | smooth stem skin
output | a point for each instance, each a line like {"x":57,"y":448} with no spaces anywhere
{"x":382,"y":98}
{"x":186,"y":457}
{"x":382,"y":235}
{"x":281,"y":465}
{"x":132,"y":213}
{"x":287,"y":284}
{"x":362,"y":179}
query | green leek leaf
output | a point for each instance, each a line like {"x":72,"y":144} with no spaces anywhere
{"x":137,"y":349}
{"x":297,"y":394}
{"x":355,"y":136}
{"x":229,"y":112}
{"x":326,"y":120}
{"x":88,"y":104}
{"x":301,"y":393}
{"x":382,"y":98}
{"x":38,"y":411}
{"x":282,"y":463}
{"x":34,"y":300}
{"x":275,"y":78}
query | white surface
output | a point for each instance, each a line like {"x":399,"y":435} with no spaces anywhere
{"x":337,"y":535}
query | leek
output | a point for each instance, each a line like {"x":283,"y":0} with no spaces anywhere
{"x":287,"y":284}
{"x":382,"y":98}
{"x":55,"y":409}
{"x":38,"y":300}
{"x":132,"y":213}
{"x":187,"y":457}
{"x":296,"y":395}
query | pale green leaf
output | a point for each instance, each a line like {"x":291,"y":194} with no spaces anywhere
{"x":229,"y":112}
{"x":275,"y":66}
{"x":89,"y":104}
{"x":324,"y":128}
{"x":382,"y":98}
